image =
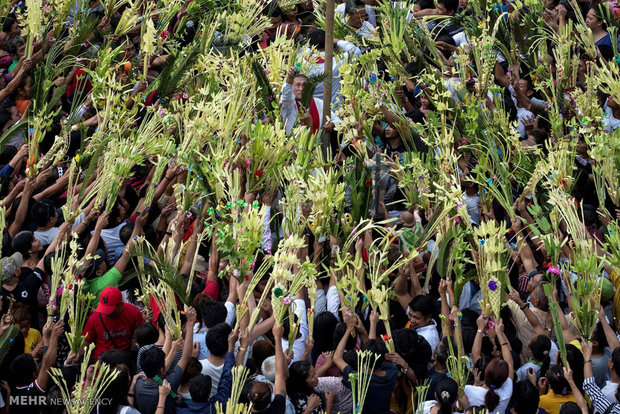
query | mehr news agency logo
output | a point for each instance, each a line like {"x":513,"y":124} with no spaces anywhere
{"x":38,"y":400}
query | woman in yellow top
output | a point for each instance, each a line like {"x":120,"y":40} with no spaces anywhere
{"x":559,"y":391}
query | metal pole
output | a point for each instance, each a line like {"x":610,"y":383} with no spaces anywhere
{"x":329,"y":58}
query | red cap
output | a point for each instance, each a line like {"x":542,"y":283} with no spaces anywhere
{"x":109,"y":298}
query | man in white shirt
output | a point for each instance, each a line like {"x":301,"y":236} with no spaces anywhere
{"x":217,"y":343}
{"x":351,"y":52}
{"x":292,"y":109}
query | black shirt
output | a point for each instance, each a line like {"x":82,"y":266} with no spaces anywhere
{"x":27,"y":399}
{"x":25,"y":292}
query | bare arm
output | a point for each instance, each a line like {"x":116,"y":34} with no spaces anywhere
{"x":189,"y":338}
{"x":400,"y":289}
{"x":22,"y":210}
{"x":339,"y":353}
{"x":280,"y":382}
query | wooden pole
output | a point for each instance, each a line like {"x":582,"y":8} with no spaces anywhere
{"x":329,"y":58}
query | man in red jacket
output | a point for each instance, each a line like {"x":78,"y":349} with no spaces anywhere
{"x":112,"y":325}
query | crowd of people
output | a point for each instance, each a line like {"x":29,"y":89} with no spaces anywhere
{"x":183,"y":230}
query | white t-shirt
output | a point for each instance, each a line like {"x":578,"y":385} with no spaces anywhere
{"x":46,"y":237}
{"x":299,"y":345}
{"x":112,"y":240}
{"x":476,"y":395}
{"x":430,"y":333}
{"x":214,"y":372}
{"x":609,"y":390}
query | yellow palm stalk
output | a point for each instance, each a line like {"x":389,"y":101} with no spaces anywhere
{"x":148,"y":45}
{"x":233,"y":406}
{"x":491,"y":265}
{"x":34,"y":25}
{"x":83,"y":399}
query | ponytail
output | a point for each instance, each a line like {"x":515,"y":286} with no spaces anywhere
{"x":446,"y":392}
{"x":495,"y":374}
{"x":540,"y":347}
{"x":491,"y":399}
{"x":546,"y":361}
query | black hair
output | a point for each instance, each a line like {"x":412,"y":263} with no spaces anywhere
{"x":297,"y":374}
{"x":540,"y":348}
{"x":194,"y":367}
{"x":423,"y":304}
{"x":414,"y":349}
{"x":377,"y":347}
{"x":152,"y":361}
{"x":324,"y":326}
{"x":47,"y":264}
{"x":146,"y":334}
{"x":7,"y":153}
{"x":599,"y":336}
{"x":22,"y":242}
{"x":116,"y":393}
{"x":42,"y":211}
{"x":316,"y":38}
{"x":450,"y":5}
{"x":540,"y":137}
{"x":125,"y":233}
{"x":574,"y":356}
{"x":115,"y":357}
{"x":161,"y":322}
{"x":446,"y":392}
{"x":350,"y":357}
{"x":200,"y":388}
{"x":556,"y":380}
{"x":213,"y":313}
{"x":570,"y":408}
{"x":442,"y":350}
{"x":525,"y":398}
{"x":217,"y":339}
{"x":7,"y":24}
{"x":615,"y":360}
{"x":23,"y":368}
{"x":426,"y":4}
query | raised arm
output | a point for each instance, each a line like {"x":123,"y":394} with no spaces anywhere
{"x":50,"y":356}
{"x":189,"y":338}
{"x":476,"y":352}
{"x":531,"y":318}
{"x":579,"y":400}
{"x":123,"y":261}
{"x":280,"y":382}
{"x":400,"y":288}
{"x":16,"y":82}
{"x":339,"y":353}
{"x":610,"y":335}
{"x":22,"y":209}
{"x":506,"y":349}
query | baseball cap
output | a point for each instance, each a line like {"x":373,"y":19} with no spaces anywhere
{"x":109,"y":298}
{"x":10,"y":265}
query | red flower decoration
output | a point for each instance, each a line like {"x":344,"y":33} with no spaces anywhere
{"x":386,"y":337}
{"x":258,"y":173}
{"x":368,"y":182}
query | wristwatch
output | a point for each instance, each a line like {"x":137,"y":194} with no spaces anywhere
{"x":404,"y":370}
